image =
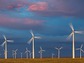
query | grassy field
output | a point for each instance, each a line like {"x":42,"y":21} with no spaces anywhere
{"x":45,"y":60}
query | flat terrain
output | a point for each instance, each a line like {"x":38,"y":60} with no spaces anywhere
{"x":45,"y":60}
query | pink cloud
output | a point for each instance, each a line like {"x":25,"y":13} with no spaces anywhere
{"x":15,"y":6}
{"x":10,"y":4}
{"x":32,"y":22}
{"x":39,"y":6}
{"x":20,"y":23}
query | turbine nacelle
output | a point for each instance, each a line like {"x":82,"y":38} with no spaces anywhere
{"x":27,"y":50}
{"x":33,"y":37}
{"x":59,"y":48}
{"x":73,"y":32}
{"x":5,"y":40}
{"x":41,"y":50}
{"x":80,"y":48}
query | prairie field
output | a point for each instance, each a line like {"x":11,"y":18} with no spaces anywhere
{"x":44,"y":60}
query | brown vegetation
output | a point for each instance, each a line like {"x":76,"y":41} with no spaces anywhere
{"x":45,"y":60}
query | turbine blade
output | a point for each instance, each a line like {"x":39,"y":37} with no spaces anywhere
{"x":32,"y":33}
{"x":69,"y":36}
{"x":37,"y":37}
{"x":10,"y":41}
{"x":56,"y":48}
{"x":61,"y":47}
{"x":3,"y":44}
{"x":78,"y":49}
{"x":81,"y":45}
{"x":40,"y":48}
{"x":16,"y":49}
{"x":43,"y":50}
{"x":26,"y":49}
{"x":79,"y":32}
{"x":71,"y":26}
{"x":4,"y":37}
{"x":82,"y":50}
{"x":30,"y":40}
{"x":39,"y":52}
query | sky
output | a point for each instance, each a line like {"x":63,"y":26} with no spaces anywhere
{"x":49,"y":19}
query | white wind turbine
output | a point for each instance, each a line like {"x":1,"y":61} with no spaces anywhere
{"x":81,"y":50}
{"x":5,"y":45}
{"x":32,"y":40}
{"x":30,"y":54}
{"x":27,"y":51}
{"x":58,"y":49}
{"x":21,"y":55}
{"x":0,"y":55}
{"x":73,"y":39}
{"x":53,"y":55}
{"x":15,"y":53}
{"x":41,"y":51}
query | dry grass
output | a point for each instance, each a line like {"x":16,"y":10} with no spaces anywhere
{"x":45,"y":60}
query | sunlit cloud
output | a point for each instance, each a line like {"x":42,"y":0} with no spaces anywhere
{"x":39,"y":6}
{"x":20,"y":23}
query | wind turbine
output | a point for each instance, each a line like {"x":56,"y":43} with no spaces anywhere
{"x":81,"y":50}
{"x":27,"y":51}
{"x":41,"y":51}
{"x":53,"y":55}
{"x":73,"y":39}
{"x":5,"y":45}
{"x":58,"y":49}
{"x":0,"y":55}
{"x":30,"y":54}
{"x":32,"y":40}
{"x":21,"y":55}
{"x":15,"y":53}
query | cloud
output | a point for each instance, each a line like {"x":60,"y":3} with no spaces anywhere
{"x":20,"y":23}
{"x":62,"y":7}
{"x":39,"y":6}
{"x":11,"y":4}
{"x":47,"y":7}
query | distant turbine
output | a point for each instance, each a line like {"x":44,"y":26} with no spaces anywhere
{"x":73,"y":42}
{"x":53,"y":55}
{"x":30,"y":54}
{"x":58,"y":49}
{"x":0,"y":55}
{"x":81,"y":50}
{"x":32,"y":40}
{"x":21,"y":55}
{"x":5,"y":45}
{"x":27,"y":51}
{"x":41,"y":51}
{"x":15,"y":53}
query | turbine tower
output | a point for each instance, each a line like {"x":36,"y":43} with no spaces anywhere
{"x":30,"y":54}
{"x":27,"y":51}
{"x":15,"y":53}
{"x":53,"y":55}
{"x":21,"y":55}
{"x":58,"y":49}
{"x":41,"y":51}
{"x":73,"y":39}
{"x":81,"y":50}
{"x":0,"y":55}
{"x":32,"y":40}
{"x":5,"y":45}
